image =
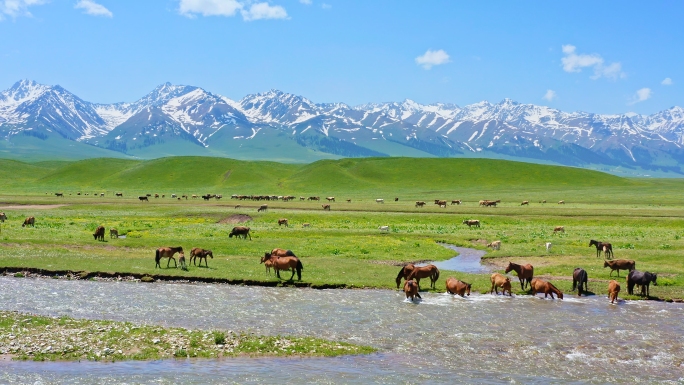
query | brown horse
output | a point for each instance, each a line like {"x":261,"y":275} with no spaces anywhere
{"x":613,"y":290}
{"x":500,"y":281}
{"x":3,"y":217}
{"x":429,"y":271}
{"x":240,"y":231}
{"x":285,"y":263}
{"x":405,"y":271}
{"x":602,"y":246}
{"x":541,"y":286}
{"x":454,"y":286}
{"x":579,"y":281}
{"x":283,"y":221}
{"x":268,"y":265}
{"x":30,"y":221}
{"x":99,"y":233}
{"x":525,"y":273}
{"x":167,"y":252}
{"x":196,"y":253}
{"x":411,"y":290}
{"x":113,"y":233}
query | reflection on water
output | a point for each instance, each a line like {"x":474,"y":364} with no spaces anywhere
{"x":482,"y":338}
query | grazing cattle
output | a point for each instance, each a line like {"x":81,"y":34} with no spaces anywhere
{"x":541,"y":286}
{"x":156,"y":195}
{"x":420,"y":203}
{"x":194,"y":196}
{"x":196,"y":252}
{"x":542,"y":201}
{"x":330,"y":199}
{"x":559,"y":229}
{"x":456,"y":202}
{"x":619,"y":264}
{"x":102,"y":195}
{"x":3,"y":217}
{"x":379,"y":200}
{"x":496,"y":245}
{"x":30,"y":221}
{"x":283,"y":221}
{"x":148,"y":195}
{"x":500,"y":281}
{"x":429,"y":271}
{"x":99,"y":233}
{"x":613,"y":290}
{"x":59,"y":195}
{"x":384,"y":228}
{"x":184,"y":196}
{"x":442,"y":203}
{"x":306,"y":224}
{"x":263,"y":208}
{"x":396,"y":199}
{"x":348,"y":200}
{"x":404,"y":273}
{"x":548,"y":246}
{"x":240,"y":231}
{"x":561,"y":202}
{"x":167,"y":252}
{"x":525,"y":273}
{"x":326,"y":207}
{"x":302,"y":198}
{"x":472,"y":222}
{"x":525,"y":203}
{"x":454,"y":286}
{"x":174,"y":196}
{"x":643,"y":279}
{"x":143,"y":199}
{"x":411,"y":290}
{"x":491,"y":203}
{"x":579,"y":281}
{"x":113,"y":233}
{"x":602,"y":246}
{"x":314,"y":198}
{"x":119,"y":194}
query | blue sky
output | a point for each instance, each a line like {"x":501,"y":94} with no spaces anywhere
{"x":596,"y":56}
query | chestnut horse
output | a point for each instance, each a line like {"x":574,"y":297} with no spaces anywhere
{"x":196,"y":253}
{"x":429,"y":271}
{"x":613,"y":290}
{"x":579,"y":276}
{"x":30,"y":221}
{"x":285,"y":263}
{"x":454,"y":286}
{"x":602,"y":246}
{"x":541,"y":286}
{"x":99,"y":233}
{"x":411,"y":290}
{"x":405,"y":271}
{"x":167,"y":252}
{"x":525,"y":273}
{"x":500,"y":281}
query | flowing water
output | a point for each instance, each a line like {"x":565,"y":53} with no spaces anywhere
{"x":443,"y":339}
{"x":468,"y":260}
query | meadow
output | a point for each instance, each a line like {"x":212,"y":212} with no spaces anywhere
{"x":642,"y":218}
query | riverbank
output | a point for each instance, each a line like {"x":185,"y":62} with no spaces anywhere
{"x":38,"y":338}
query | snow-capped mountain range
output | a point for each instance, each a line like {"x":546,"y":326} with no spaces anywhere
{"x":191,"y":116}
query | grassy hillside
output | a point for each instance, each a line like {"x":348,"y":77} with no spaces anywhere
{"x":31,"y":148}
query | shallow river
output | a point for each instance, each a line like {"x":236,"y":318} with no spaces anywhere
{"x":481,"y":339}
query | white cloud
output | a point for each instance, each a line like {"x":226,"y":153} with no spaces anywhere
{"x":641,"y":95}
{"x":549,"y":95}
{"x":326,"y":6}
{"x":249,"y":11}
{"x":15,"y":8}
{"x":307,"y":2}
{"x":92,"y":8}
{"x":574,"y":62}
{"x":432,"y":58}
{"x":260,"y":11}
{"x":666,"y":82}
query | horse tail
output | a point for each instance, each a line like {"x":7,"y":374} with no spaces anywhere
{"x":156,"y":257}
{"x":300,"y":267}
{"x":436,"y":275}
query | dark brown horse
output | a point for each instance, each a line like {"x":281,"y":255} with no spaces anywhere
{"x":285,"y":263}
{"x":579,"y":281}
{"x":196,"y":253}
{"x":405,"y":271}
{"x":541,"y":286}
{"x":99,"y":233}
{"x":643,"y":279}
{"x":602,"y":246}
{"x":411,"y":290}
{"x":30,"y":221}
{"x":429,"y":271}
{"x":167,"y":252}
{"x":240,"y":231}
{"x":525,"y":273}
{"x":454,"y":286}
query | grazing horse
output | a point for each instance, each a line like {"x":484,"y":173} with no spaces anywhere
{"x":59,"y":195}
{"x":119,"y":194}
{"x":283,"y":221}
{"x":454,"y":286}
{"x":500,"y":281}
{"x":285,"y":263}
{"x":326,"y":207}
{"x":613,"y":290}
{"x":600,"y":247}
{"x":525,"y":273}
{"x":99,"y":233}
{"x":420,"y":203}
{"x":561,"y":202}
{"x":3,"y":217}
{"x":456,"y":202}
{"x":404,"y":273}
{"x":643,"y":279}
{"x":524,"y":203}
{"x":330,"y":199}
{"x":411,"y":289}
{"x":167,"y":252}
{"x":379,"y":200}
{"x":472,"y":222}
{"x":196,"y":252}
{"x":30,"y":221}
{"x":579,"y":276}
{"x":262,"y":208}
{"x":541,"y":286}
{"x":429,"y":271}
{"x":559,"y":229}
{"x":496,"y":245}
{"x":619,"y":264}
{"x":143,"y":199}
{"x":113,"y":233}
{"x":240,"y":231}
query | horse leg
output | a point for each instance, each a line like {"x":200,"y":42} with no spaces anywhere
{"x":293,"y":273}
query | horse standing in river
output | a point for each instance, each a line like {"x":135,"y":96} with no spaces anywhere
{"x":411,"y":290}
{"x":579,"y":276}
{"x":454,"y":286}
{"x":541,"y":286}
{"x":429,"y":271}
{"x":525,"y":273}
{"x":167,"y":252}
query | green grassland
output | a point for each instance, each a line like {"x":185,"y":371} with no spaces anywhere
{"x":643,"y":218}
